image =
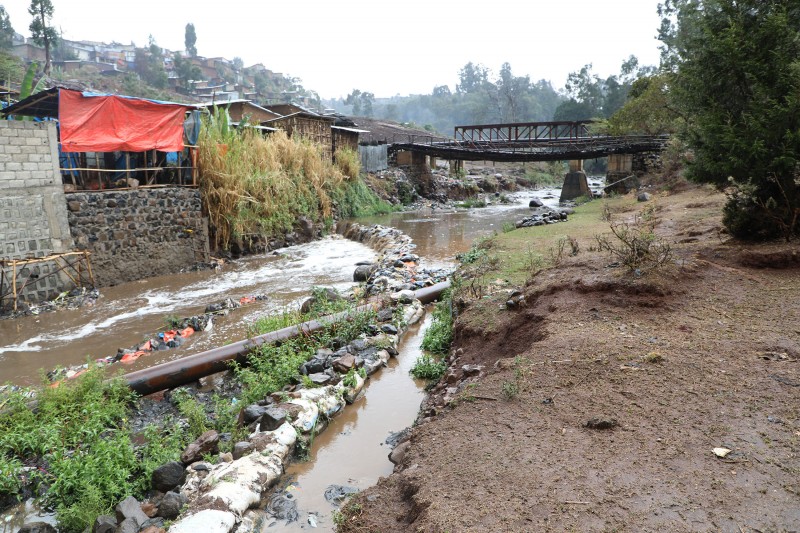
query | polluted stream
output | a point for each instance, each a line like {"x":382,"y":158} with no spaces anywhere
{"x":352,"y":452}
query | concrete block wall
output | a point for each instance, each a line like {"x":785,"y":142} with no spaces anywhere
{"x":136,"y":234}
{"x":33,"y":215}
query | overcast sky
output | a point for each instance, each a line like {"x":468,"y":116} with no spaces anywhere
{"x":387,"y":48}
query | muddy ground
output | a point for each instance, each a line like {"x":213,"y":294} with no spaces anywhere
{"x":603,"y":395}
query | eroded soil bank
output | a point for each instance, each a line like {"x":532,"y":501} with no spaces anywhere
{"x":603,"y":393}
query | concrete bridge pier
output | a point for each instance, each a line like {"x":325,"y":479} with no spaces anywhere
{"x":456,"y":167}
{"x":620,"y":177}
{"x":575,"y":182}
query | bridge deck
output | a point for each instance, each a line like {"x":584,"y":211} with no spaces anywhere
{"x":535,"y":149}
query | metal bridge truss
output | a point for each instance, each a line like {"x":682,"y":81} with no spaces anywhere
{"x":531,"y":141}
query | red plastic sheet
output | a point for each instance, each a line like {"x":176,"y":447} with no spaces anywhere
{"x":111,"y":123}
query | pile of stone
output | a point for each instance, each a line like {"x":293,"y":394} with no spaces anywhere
{"x":398,"y":268}
{"x":543,"y":215}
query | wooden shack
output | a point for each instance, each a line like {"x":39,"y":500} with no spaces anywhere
{"x":238,"y":110}
{"x":304,"y":124}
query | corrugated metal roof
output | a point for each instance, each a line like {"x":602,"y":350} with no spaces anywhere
{"x":353,"y":130}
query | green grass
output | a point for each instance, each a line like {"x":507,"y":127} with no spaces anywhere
{"x":80,"y":436}
{"x":439,"y":335}
{"x":474,"y":202}
{"x":429,"y":368}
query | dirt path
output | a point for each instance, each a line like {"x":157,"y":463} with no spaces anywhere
{"x":673,"y":364}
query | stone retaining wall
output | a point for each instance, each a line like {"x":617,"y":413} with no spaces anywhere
{"x":140,"y":233}
{"x":33,"y":217}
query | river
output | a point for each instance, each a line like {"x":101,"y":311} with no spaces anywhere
{"x":352,"y":450}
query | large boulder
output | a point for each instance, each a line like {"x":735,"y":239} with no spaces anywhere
{"x":363,"y":272}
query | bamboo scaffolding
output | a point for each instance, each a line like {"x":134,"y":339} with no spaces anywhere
{"x":82,"y":257}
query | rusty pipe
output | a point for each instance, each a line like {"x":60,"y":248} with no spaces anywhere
{"x":193,"y":367}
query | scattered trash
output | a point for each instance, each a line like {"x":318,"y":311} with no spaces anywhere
{"x":312,"y":520}
{"x":721,"y":452}
{"x":283,"y":508}
{"x":165,"y":340}
{"x":335,"y":494}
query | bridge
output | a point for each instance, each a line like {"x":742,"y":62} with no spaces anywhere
{"x":529,"y":141}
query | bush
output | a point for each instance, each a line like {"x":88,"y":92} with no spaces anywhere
{"x":636,"y":245}
{"x":428,"y":368}
{"x":439,"y":335}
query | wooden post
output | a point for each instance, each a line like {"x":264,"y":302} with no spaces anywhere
{"x":14,"y":281}
{"x":89,"y":267}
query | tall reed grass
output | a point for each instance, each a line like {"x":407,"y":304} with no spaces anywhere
{"x":255,"y":186}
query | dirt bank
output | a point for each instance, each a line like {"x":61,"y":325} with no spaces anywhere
{"x":603,"y":393}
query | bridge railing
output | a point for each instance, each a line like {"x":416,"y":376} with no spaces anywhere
{"x":523,"y":131}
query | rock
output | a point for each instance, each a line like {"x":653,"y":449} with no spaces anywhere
{"x":154,"y":525}
{"x":535,"y":202}
{"x":130,"y":509}
{"x":149,"y":509}
{"x":171,"y":505}
{"x":344,"y":364}
{"x":274,"y":417}
{"x":472,"y":370}
{"x":643,"y":197}
{"x":385,"y":314}
{"x":320,"y":378}
{"x":226,"y":457}
{"x":404,"y":297}
{"x":252,"y":413}
{"x":399,"y":452}
{"x":38,"y":527}
{"x":168,"y":476}
{"x":363,"y":272}
{"x":601,"y":423}
{"x":207,"y":521}
{"x":129,"y":525}
{"x":389,"y":328}
{"x":240,"y":449}
{"x":104,"y":524}
{"x":205,"y":443}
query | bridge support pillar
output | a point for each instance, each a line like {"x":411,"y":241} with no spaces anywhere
{"x":620,"y":177}
{"x":456,"y":167}
{"x":575,"y":182}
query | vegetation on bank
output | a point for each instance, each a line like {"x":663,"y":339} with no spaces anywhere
{"x":78,"y":448}
{"x":256,"y":187}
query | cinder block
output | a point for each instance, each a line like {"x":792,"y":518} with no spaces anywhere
{"x":30,"y":166}
{"x":34,"y":141}
{"x":13,"y":149}
{"x":29,"y":149}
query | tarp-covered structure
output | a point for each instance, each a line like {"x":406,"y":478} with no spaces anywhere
{"x":93,"y":122}
{"x":108,"y":123}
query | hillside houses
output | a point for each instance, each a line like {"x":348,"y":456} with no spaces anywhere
{"x":219,"y":78}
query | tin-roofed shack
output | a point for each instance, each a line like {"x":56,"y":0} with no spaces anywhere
{"x":302,"y":123}
{"x":110,"y":141}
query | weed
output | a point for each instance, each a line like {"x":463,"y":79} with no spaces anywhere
{"x":192,"y":410}
{"x":508,"y":227}
{"x":429,"y":368}
{"x":509,"y":390}
{"x":439,"y":335}
{"x":636,"y":245}
{"x":172,"y":322}
{"x":475,"y":202}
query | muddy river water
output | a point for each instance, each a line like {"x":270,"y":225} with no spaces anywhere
{"x":351,"y":451}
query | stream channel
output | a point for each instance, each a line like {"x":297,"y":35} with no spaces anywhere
{"x":352,"y":451}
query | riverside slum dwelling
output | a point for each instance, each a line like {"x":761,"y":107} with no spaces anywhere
{"x":124,"y":169}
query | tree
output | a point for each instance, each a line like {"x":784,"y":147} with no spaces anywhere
{"x":238,"y":64}
{"x":149,"y":64}
{"x":6,"y":30}
{"x":354,"y":99}
{"x":736,"y":68}
{"x":43,"y":34}
{"x":185,"y":70}
{"x":190,"y":40}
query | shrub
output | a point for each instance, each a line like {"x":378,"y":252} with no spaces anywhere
{"x":428,"y":368}
{"x":636,"y":245}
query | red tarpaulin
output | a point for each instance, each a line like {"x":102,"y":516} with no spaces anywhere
{"x":111,"y":123}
